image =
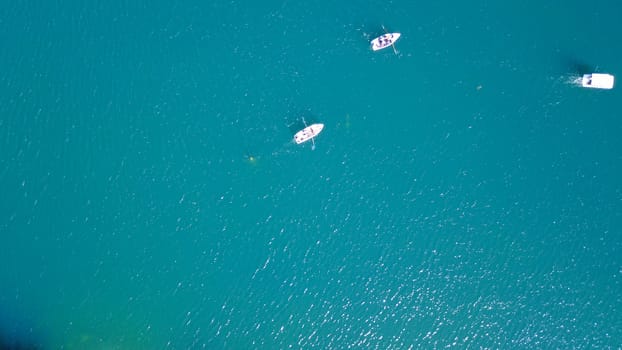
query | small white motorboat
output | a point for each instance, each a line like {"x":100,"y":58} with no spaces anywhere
{"x":308,"y":133}
{"x":384,"y":41}
{"x":597,"y":81}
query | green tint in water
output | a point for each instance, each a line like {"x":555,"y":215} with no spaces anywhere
{"x":462,"y":193}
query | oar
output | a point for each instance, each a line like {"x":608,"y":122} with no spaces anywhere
{"x":392,"y":42}
{"x":393,"y":45}
{"x":313,"y":138}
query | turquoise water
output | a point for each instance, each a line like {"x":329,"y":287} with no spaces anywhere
{"x":462,"y":194}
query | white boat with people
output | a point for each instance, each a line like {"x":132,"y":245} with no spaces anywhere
{"x":597,"y":81}
{"x":384,"y":41}
{"x":309,"y":132}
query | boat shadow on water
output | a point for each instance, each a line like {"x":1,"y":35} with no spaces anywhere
{"x":295,"y":124}
{"x":372,"y":30}
{"x":573,"y":65}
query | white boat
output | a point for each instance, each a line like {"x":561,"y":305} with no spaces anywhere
{"x":597,"y":81}
{"x":308,"y":133}
{"x":384,"y":41}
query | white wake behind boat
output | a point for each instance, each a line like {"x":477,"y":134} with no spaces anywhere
{"x":308,"y":133}
{"x":384,"y":41}
{"x":597,"y":81}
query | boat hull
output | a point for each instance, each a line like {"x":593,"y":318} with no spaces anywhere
{"x":597,"y":81}
{"x":384,"y":41}
{"x":308,"y":133}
